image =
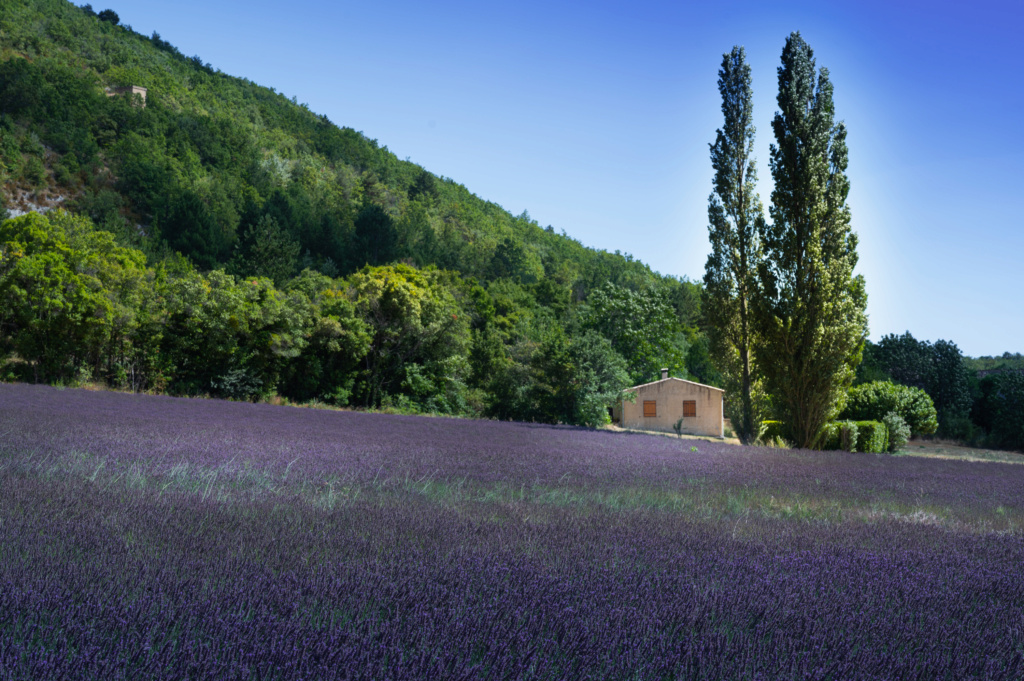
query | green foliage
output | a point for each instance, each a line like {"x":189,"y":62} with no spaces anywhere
{"x":772,"y":431}
{"x":338,"y":342}
{"x":69,"y":296}
{"x":937,"y":368}
{"x":250,"y":187}
{"x":376,"y":237}
{"x":642,"y":327}
{"x":897,"y":430}
{"x":872,"y":401}
{"x":210,"y":152}
{"x":577,"y":379}
{"x":699,"y":364}
{"x":33,"y":172}
{"x":949,"y":387}
{"x":872,"y":436}
{"x":870,"y":368}
{"x":840,"y":435}
{"x":1008,"y":361}
{"x":266,"y":250}
{"x":809,"y":307}
{"x":1000,"y":409}
{"x":735,"y":216}
{"x":512,"y":260}
{"x":413,"y":318}
{"x":191,"y":227}
{"x":232,"y":337}
{"x":855,"y":436}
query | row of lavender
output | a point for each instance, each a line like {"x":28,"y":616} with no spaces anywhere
{"x":159,"y":434}
{"x":99,"y":579}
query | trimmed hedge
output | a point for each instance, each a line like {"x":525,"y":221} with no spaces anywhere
{"x":839,"y":435}
{"x":850,"y":436}
{"x":872,"y":436}
{"x":856,"y":436}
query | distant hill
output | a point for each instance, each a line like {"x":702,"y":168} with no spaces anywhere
{"x":984,"y":366}
{"x":208,"y":155}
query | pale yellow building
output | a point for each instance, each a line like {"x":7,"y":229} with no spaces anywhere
{"x":660,"y":405}
{"x":130,"y":90}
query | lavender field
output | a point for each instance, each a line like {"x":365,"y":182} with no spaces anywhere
{"x":151,"y":537}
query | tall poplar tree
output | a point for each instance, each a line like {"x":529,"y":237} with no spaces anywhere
{"x":735,"y":215}
{"x":810,"y":308}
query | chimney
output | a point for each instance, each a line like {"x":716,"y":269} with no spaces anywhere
{"x":664,"y":374}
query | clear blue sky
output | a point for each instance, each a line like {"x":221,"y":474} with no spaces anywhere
{"x":596,"y":118}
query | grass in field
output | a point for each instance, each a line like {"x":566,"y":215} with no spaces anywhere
{"x":694,"y":498}
{"x":941,"y":449}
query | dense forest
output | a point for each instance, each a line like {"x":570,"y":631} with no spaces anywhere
{"x":260,"y":249}
{"x":217,"y":238}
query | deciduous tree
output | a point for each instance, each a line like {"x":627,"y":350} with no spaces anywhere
{"x":809,"y":305}
{"x":413,"y":318}
{"x":641,"y":326}
{"x":937,"y":368}
{"x":266,"y":250}
{"x":735,"y":215}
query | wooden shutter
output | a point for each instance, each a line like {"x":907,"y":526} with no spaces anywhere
{"x":689,"y":408}
{"x":650,"y":408}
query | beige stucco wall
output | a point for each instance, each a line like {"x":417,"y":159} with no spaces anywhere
{"x":669,"y":395}
{"x":128,"y":90}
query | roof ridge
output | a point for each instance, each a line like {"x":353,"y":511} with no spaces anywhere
{"x":673,"y":378}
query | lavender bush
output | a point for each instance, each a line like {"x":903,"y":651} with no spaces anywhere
{"x":154,"y":537}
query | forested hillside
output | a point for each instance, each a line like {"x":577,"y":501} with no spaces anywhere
{"x":330,"y":269}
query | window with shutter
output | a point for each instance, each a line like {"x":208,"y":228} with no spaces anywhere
{"x":689,"y":408}
{"x":650,"y":408}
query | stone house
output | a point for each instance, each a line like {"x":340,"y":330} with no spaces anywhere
{"x":130,"y":90}
{"x":661,"y":404}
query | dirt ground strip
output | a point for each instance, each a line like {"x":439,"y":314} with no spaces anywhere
{"x":938,"y":449}
{"x":943,"y":449}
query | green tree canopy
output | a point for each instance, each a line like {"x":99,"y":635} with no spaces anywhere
{"x":735,"y":216}
{"x":809,"y":306}
{"x":376,"y":236}
{"x":937,"y":368}
{"x":339,"y":339}
{"x":231,"y":337}
{"x":67,"y":292}
{"x":872,"y":401}
{"x":1001,"y":409}
{"x":577,"y":379}
{"x":266,"y":250}
{"x":642,"y":327}
{"x":414,"y":319}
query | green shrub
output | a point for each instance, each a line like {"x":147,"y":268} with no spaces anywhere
{"x":898,"y":431}
{"x":62,"y":175}
{"x":840,"y":435}
{"x":872,"y":401}
{"x":34,"y":172}
{"x":872,"y":436}
{"x":830,"y":437}
{"x":773,"y":430}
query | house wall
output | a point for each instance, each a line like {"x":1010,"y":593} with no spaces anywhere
{"x":128,"y":90}
{"x":669,"y":395}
